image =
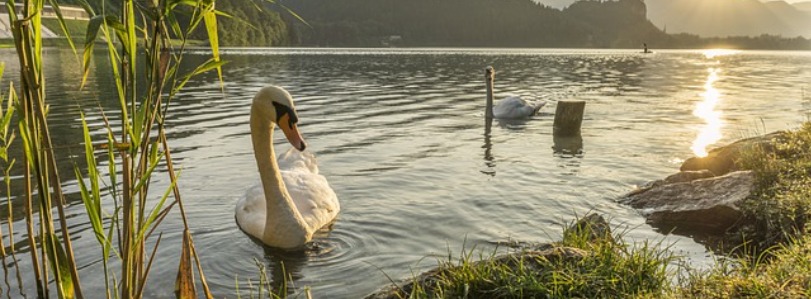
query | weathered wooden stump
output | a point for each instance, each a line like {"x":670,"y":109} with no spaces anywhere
{"x":568,"y":118}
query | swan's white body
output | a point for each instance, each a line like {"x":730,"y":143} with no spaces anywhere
{"x":514,"y":107}
{"x":511,"y":107}
{"x":293,"y":201}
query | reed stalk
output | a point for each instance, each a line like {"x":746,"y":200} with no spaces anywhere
{"x":142,"y":33}
{"x":142,"y":144}
{"x":6,"y":139}
{"x":40,"y":169}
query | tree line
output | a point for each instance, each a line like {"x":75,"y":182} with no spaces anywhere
{"x":456,"y":23}
{"x":497,"y":23}
{"x":246,"y":23}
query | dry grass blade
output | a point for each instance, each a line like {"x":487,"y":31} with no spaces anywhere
{"x":184,"y":284}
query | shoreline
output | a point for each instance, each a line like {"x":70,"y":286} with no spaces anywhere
{"x":755,"y":266}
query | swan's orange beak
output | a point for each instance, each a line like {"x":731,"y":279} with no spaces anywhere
{"x":291,"y":132}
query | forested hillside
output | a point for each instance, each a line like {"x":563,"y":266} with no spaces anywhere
{"x":252,"y":22}
{"x":505,"y":23}
{"x":456,"y":23}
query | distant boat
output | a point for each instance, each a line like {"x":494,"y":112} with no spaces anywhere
{"x":646,"y":51}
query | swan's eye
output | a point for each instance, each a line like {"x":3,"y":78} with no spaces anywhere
{"x":281,"y":110}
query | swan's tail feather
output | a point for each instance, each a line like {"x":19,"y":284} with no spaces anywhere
{"x":537,"y":105}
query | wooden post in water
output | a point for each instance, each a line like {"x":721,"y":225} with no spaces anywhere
{"x":568,"y":118}
{"x":489,"y":77}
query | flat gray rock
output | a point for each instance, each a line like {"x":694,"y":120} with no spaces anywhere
{"x":707,"y":205}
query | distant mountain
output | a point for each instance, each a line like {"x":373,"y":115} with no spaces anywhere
{"x":472,"y":23}
{"x":726,"y":17}
{"x":729,"y":17}
{"x":803,"y":6}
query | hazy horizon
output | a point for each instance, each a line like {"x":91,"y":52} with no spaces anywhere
{"x":564,"y":3}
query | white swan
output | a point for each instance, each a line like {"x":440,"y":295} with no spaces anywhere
{"x":512,"y":107}
{"x":293,"y":201}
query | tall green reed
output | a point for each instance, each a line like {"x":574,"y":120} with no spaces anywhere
{"x":56,"y":255}
{"x":151,"y":35}
{"x":7,"y":163}
{"x":143,"y":33}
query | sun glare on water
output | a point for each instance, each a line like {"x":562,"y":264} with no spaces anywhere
{"x":713,"y":53}
{"x":711,"y":132}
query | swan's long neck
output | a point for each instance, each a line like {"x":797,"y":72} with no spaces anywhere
{"x":284,"y":223}
{"x":488,"y":112}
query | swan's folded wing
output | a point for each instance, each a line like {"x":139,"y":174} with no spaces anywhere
{"x":250,"y":211}
{"x":509,"y":107}
{"x":293,"y":159}
{"x":514,"y":107}
{"x":314,"y":198}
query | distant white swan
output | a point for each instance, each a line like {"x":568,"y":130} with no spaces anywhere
{"x":512,"y":107}
{"x":293,"y":201}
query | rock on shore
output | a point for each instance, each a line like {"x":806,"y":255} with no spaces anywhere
{"x":705,"y":198}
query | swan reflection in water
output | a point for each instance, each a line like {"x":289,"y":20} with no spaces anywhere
{"x":563,"y":147}
{"x":489,"y":161}
{"x":282,"y":269}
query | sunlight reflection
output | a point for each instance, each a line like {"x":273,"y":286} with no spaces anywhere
{"x":705,"y":110}
{"x":712,"y":53}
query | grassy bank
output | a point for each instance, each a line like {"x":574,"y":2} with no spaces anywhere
{"x":779,"y":264}
{"x":76,"y":28}
{"x":590,"y":262}
{"x":598,"y":266}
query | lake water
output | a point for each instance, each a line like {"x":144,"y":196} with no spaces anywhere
{"x":400,"y":135}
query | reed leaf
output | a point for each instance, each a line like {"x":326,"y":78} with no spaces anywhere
{"x":91,"y":197}
{"x":156,"y":210}
{"x":143,"y":180}
{"x":60,"y":264}
{"x":55,"y":5}
{"x":210,"y":64}
{"x":210,"y":16}
{"x":91,"y":34}
{"x":184,"y":283}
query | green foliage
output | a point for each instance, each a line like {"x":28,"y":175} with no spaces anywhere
{"x":781,"y":204}
{"x":154,"y":38}
{"x":786,"y":275}
{"x":579,"y":267}
{"x":265,"y":287}
{"x":513,"y":23}
{"x":497,"y":23}
{"x":243,"y":22}
{"x":77,"y":28}
{"x":251,"y":25}
{"x":141,"y":51}
{"x":781,"y":264}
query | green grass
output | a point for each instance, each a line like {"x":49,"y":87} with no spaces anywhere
{"x":781,"y":201}
{"x":786,"y":274}
{"x":779,"y":262}
{"x":578,"y":267}
{"x":77,"y":28}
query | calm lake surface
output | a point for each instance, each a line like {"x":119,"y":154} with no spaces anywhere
{"x":400,"y":135}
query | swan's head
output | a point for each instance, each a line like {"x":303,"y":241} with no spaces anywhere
{"x":489,"y":72}
{"x":275,"y":104}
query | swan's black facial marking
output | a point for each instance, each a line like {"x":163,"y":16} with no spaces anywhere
{"x":281,"y":110}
